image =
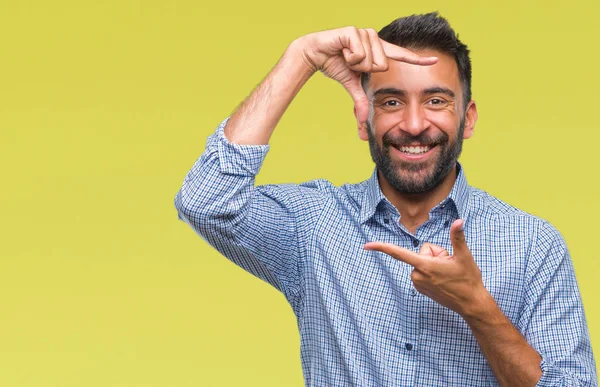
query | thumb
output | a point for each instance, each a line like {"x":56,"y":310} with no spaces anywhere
{"x":457,"y":237}
{"x":361,"y":104}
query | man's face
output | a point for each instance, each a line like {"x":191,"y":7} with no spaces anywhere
{"x":417,"y":122}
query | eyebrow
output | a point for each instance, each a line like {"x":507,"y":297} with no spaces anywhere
{"x":388,"y":91}
{"x":439,"y":90}
{"x":402,"y":93}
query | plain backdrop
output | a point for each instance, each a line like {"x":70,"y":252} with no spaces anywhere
{"x":105,"y":105}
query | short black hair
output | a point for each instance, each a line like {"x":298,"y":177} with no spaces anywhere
{"x":429,"y":31}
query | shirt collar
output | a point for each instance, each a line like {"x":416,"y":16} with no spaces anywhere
{"x":371,"y":199}
{"x":459,"y":195}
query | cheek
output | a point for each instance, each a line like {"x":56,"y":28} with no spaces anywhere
{"x":443,"y":119}
{"x":386,"y":121}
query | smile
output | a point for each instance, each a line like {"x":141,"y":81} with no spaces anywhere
{"x":415,"y":149}
{"x":413,"y":153}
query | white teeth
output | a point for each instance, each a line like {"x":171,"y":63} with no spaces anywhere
{"x":415,"y":149}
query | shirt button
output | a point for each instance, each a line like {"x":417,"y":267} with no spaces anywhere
{"x":413,"y":292}
{"x":408,"y":346}
{"x":446,"y":223}
{"x":415,"y":242}
{"x":386,"y":220}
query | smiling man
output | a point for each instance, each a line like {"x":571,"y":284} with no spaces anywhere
{"x":412,"y":277}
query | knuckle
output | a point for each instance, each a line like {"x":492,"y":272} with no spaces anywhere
{"x":371,"y":32}
{"x":362,"y":67}
{"x":384,"y":66}
{"x":351,"y":30}
{"x":414,"y":276}
{"x":360,"y":56}
{"x":417,"y":276}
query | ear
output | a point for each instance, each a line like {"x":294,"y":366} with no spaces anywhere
{"x":362,"y":127}
{"x":470,"y":119}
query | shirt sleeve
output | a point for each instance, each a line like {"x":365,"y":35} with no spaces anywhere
{"x":553,"y":319}
{"x":257,"y":228}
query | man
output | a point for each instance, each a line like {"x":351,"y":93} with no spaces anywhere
{"x":411,"y":277}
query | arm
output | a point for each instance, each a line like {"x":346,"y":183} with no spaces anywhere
{"x":258,"y":227}
{"x":256,"y":118}
{"x":341,"y":54}
{"x":552,"y":321}
{"x":552,"y":318}
{"x":513,"y":361}
{"x":554,"y":348}
{"x":255,"y":227}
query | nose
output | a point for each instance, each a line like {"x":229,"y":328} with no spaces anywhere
{"x":413,"y":120}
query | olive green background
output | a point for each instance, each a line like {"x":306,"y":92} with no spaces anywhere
{"x":105,"y":105}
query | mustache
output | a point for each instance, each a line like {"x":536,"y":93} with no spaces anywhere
{"x":404,"y":139}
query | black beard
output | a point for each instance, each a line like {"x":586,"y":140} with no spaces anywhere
{"x":449,"y":153}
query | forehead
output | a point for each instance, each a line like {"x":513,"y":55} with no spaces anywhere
{"x":413,"y":79}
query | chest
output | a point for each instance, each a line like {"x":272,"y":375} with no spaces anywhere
{"x":377,"y":288}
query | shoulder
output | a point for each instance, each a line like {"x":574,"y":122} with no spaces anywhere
{"x":526,"y":237}
{"x":515,"y":221}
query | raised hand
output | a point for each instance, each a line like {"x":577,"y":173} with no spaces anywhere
{"x":344,"y":53}
{"x":453,"y":281}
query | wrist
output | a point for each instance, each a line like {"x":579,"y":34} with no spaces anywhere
{"x":298,"y":53}
{"x":482,"y":307}
{"x":254,"y":121}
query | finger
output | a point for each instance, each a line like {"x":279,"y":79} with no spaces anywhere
{"x":416,"y":277}
{"x":457,"y":237}
{"x":426,"y":249}
{"x":404,"y":255}
{"x":402,"y":54}
{"x":353,"y":50}
{"x":380,"y":61}
{"x":366,"y":65}
{"x":433,"y":251}
{"x":439,"y":251}
{"x":361,"y":109}
{"x":361,"y":103}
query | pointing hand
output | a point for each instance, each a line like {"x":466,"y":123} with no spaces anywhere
{"x":453,"y":281}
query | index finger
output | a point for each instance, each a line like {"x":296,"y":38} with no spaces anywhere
{"x":401,"y":254}
{"x":402,"y":54}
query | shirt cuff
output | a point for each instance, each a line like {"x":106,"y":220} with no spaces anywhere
{"x":236,"y":159}
{"x":550,"y":374}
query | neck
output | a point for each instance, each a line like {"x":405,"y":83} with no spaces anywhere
{"x":414,"y":208}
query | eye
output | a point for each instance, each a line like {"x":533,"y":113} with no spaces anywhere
{"x":391,"y":103}
{"x":436,"y":101}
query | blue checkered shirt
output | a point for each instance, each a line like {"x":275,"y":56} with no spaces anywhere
{"x":361,"y":321}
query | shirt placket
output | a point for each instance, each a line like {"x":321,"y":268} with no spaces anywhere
{"x":408,"y":339}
